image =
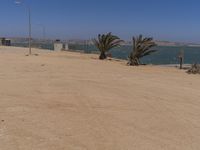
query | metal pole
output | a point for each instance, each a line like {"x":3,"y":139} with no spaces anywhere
{"x":29,"y":10}
{"x":29,"y":17}
{"x":44,"y":33}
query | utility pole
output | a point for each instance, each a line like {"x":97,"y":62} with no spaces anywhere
{"x":19,"y":2}
{"x":30,"y":34}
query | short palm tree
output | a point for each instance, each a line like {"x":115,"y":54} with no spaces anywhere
{"x":141,"y":47}
{"x":105,"y":42}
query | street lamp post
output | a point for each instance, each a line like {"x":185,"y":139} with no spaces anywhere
{"x":43,"y":31}
{"x":29,"y":10}
{"x":30,"y":30}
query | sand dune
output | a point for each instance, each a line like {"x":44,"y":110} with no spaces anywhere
{"x":71,"y":101}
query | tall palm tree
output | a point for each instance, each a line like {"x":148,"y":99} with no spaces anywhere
{"x":105,"y":42}
{"x":141,"y":47}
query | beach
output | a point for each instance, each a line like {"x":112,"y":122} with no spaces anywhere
{"x":73,"y":101}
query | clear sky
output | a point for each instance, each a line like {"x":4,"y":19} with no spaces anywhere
{"x":174,"y":20}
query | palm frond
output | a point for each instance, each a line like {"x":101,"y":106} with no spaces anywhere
{"x":105,"y":42}
{"x":141,"y":47}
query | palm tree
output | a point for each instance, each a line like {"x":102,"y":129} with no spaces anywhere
{"x":141,"y":47}
{"x":105,"y":42}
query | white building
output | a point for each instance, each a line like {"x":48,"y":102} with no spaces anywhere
{"x":58,"y":45}
{"x":66,"y":46}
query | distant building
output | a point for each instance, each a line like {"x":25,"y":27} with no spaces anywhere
{"x":66,"y":46}
{"x":58,"y":45}
{"x":5,"y":42}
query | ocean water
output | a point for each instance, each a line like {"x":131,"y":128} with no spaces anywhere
{"x":164,"y":54}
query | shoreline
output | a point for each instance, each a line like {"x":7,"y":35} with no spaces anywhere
{"x":116,"y":58}
{"x":185,"y":66}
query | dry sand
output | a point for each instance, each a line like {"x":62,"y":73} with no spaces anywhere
{"x":71,"y":101}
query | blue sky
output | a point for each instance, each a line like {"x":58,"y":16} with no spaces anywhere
{"x":173,"y":20}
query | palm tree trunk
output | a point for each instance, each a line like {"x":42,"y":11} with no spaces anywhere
{"x":134,"y":62}
{"x":102,"y":56}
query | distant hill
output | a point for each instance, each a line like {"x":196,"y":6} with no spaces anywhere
{"x":82,"y":41}
{"x":167,"y":43}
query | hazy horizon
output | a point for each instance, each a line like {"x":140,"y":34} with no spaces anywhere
{"x":174,"y":21}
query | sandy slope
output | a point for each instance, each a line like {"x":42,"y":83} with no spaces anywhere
{"x":70,"y":101}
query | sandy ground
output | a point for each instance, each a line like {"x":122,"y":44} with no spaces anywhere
{"x":71,"y":101}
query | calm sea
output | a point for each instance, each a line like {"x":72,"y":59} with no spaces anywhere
{"x":164,"y":54}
